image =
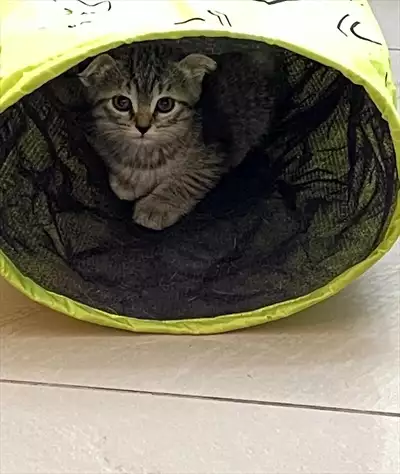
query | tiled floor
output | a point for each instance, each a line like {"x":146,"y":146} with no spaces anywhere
{"x":318,"y":393}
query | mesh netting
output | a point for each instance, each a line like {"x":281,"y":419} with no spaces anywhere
{"x":309,"y":203}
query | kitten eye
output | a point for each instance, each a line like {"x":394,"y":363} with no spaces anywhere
{"x":165,"y":105}
{"x":122,"y":103}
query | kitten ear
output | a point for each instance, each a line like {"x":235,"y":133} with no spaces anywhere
{"x":97,"y":70}
{"x":198,"y":65}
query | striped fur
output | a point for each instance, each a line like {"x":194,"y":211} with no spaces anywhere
{"x":168,"y":169}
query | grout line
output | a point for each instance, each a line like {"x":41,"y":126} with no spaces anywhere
{"x":394,"y":49}
{"x":211,"y":398}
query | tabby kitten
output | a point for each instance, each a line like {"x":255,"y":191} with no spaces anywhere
{"x":144,"y":125}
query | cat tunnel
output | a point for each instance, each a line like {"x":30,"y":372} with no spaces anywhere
{"x":313,"y":207}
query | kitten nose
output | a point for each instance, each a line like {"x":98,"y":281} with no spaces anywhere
{"x":143,"y":128}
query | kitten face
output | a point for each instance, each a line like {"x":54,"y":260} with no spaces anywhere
{"x":145,"y":102}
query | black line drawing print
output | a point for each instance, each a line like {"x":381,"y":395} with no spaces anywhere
{"x":81,"y":23}
{"x":92,"y":6}
{"x":188,"y":21}
{"x":222,"y":18}
{"x":353,"y":31}
{"x":274,"y":2}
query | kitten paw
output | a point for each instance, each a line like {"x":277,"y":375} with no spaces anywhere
{"x":154,"y":214}
{"x":120,"y":190}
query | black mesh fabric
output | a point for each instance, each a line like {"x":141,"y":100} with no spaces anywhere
{"x":313,"y":200}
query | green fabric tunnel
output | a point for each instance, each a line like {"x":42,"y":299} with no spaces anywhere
{"x":314,"y":207}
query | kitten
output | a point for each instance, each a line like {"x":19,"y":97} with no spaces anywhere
{"x":144,"y":125}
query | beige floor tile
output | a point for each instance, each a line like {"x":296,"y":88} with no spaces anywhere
{"x":343,"y":352}
{"x":64,"y":431}
{"x":387,"y":13}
